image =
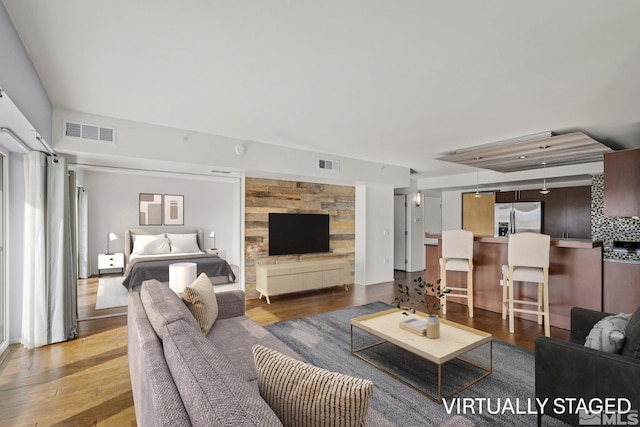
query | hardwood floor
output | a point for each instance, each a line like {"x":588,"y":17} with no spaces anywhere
{"x":85,"y":381}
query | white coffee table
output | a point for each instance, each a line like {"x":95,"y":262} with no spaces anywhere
{"x":455,"y":340}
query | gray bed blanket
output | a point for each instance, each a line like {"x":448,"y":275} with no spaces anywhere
{"x":146,"y":269}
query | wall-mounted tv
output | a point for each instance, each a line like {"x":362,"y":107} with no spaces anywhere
{"x":294,"y":234}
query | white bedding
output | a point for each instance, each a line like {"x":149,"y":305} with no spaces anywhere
{"x":136,"y":256}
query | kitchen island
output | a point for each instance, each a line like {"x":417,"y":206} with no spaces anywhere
{"x":575,"y":276}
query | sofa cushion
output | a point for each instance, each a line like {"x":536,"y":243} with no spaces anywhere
{"x":211,"y":389}
{"x":608,"y":334}
{"x":156,"y":397}
{"x":305,"y":395}
{"x":163,"y":306}
{"x":244,"y":333}
{"x":201,"y":301}
{"x":631,"y":346}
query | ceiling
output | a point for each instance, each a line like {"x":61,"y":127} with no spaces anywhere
{"x":394,"y":82}
{"x":532,"y":152}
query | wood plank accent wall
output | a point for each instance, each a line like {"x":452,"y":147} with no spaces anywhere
{"x":263,"y":196}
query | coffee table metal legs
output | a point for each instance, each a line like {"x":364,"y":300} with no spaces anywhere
{"x":438,"y":399}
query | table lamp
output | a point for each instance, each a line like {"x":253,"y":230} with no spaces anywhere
{"x":110,"y":237}
{"x":213,"y":236}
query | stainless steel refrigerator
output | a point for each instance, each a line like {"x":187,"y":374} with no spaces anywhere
{"x":517,"y":217}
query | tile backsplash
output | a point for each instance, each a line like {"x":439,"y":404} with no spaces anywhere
{"x":608,"y":228}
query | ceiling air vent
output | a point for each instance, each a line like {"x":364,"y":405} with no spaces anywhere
{"x":88,"y":132}
{"x":331,"y":165}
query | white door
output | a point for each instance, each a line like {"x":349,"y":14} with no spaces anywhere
{"x":400,"y":232}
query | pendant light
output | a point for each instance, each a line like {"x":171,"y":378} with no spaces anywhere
{"x":477,"y":178}
{"x":544,"y":189}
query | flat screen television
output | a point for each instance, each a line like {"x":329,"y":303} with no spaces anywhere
{"x":293,"y":234}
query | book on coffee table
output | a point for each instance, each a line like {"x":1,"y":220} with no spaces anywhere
{"x":415,"y":325}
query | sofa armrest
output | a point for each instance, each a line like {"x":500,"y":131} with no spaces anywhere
{"x":582,"y":320}
{"x":565,"y":369}
{"x":230,"y":304}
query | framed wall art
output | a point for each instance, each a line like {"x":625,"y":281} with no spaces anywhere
{"x":173,"y":209}
{"x":150,"y":209}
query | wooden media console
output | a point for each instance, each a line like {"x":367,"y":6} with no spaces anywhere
{"x":277,"y":279}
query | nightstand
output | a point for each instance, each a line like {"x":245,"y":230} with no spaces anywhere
{"x":222,"y":253}
{"x":110,"y":262}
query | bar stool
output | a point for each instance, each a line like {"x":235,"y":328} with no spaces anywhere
{"x":457,"y":255}
{"x":528,"y":258}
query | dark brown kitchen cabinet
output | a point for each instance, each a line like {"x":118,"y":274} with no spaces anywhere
{"x":567,"y":212}
{"x":518,"y":196}
{"x":622,"y":183}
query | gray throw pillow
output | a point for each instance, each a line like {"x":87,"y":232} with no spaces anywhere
{"x":609,"y":333}
{"x":632,"y":343}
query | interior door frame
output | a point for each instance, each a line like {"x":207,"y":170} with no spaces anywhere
{"x":4,"y":250}
{"x":400,"y":241}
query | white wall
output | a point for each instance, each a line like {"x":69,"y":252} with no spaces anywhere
{"x":416,"y":257}
{"x":212,"y":204}
{"x":432,"y":214}
{"x":452,"y":210}
{"x":374,"y":234}
{"x":165,"y":148}
{"x":20,"y":80}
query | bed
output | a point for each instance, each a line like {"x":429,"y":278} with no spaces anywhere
{"x":149,"y":251}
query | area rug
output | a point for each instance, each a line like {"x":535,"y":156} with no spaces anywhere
{"x":111,"y":293}
{"x":324,"y":340}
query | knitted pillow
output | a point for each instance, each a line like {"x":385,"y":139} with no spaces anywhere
{"x":608,"y":334}
{"x":202,"y":302}
{"x":632,"y":343}
{"x":305,"y":395}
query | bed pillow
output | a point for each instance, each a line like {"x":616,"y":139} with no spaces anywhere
{"x":141,"y":240}
{"x":609,"y":333}
{"x":202,"y":302}
{"x":183,"y":243}
{"x":305,"y":395}
{"x":156,"y":247}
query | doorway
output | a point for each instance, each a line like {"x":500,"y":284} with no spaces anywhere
{"x":400,"y":232}
{"x":4,"y":304}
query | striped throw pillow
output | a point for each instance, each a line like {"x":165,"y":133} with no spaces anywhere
{"x":304,"y":395}
{"x":202,"y":302}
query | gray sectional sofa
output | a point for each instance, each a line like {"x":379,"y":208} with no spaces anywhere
{"x":181,"y":378}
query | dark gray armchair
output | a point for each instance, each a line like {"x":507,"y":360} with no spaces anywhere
{"x":567,"y":369}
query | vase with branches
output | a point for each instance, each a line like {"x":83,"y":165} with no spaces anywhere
{"x":422,"y":293}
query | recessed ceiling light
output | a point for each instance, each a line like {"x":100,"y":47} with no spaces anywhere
{"x":522,"y":157}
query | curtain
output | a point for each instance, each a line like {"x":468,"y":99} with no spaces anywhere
{"x":50,"y":297}
{"x":83,"y":233}
{"x":71,"y":280}
{"x":34,"y":303}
